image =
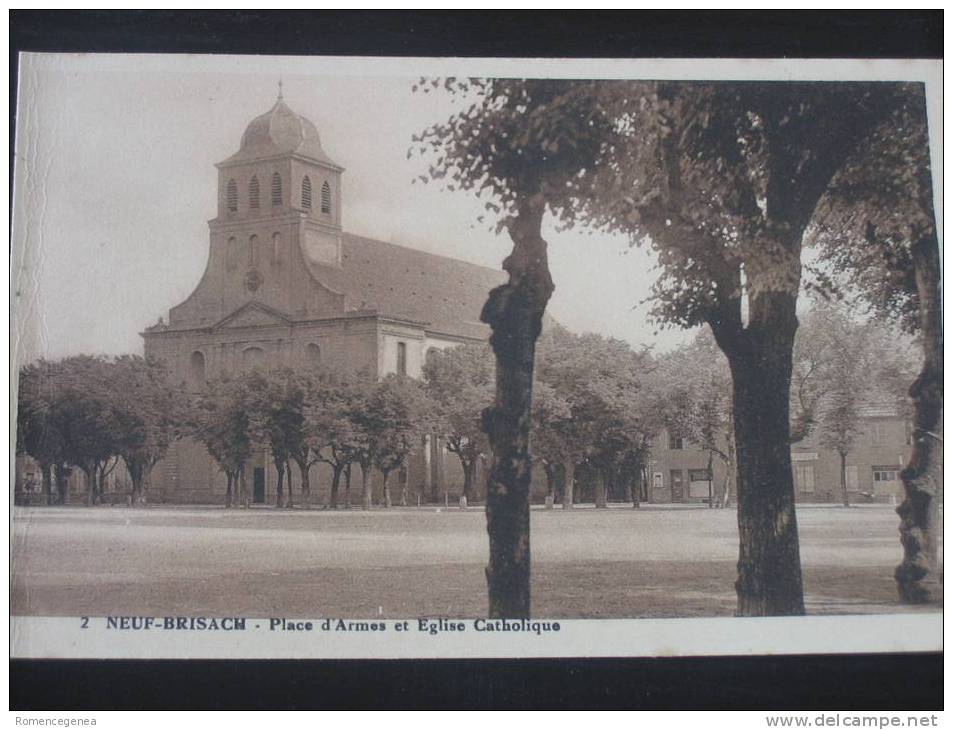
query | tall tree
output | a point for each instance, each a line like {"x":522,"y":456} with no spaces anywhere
{"x":149,"y":412}
{"x":522,"y":142}
{"x":722,"y":179}
{"x":221,"y":419}
{"x":876,"y":232}
{"x":459,"y":382}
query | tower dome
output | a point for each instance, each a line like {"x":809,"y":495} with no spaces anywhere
{"x":280,"y":131}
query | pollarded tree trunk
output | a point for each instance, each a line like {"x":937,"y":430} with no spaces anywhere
{"x":514,"y":312}
{"x":229,"y":479}
{"x":569,"y":467}
{"x":843,"y":478}
{"x":367,"y":498}
{"x":385,"y":497}
{"x":921,"y":477}
{"x":600,"y":488}
{"x":769,"y":565}
{"x":280,"y":484}
{"x":61,"y":474}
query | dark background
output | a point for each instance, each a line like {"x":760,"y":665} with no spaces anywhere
{"x":864,"y":682}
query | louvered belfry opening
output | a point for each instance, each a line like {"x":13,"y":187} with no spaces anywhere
{"x":326,"y":198}
{"x":276,"y":189}
{"x":231,"y":196}
{"x":254,"y":192}
{"x":306,"y":192}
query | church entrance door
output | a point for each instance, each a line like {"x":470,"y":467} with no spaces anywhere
{"x":258,"y":492}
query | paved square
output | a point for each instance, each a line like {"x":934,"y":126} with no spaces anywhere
{"x":659,"y":561}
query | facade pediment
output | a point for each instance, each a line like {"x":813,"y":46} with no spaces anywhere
{"x":252,"y":315}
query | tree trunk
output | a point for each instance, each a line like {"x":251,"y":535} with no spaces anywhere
{"x":61,"y":474}
{"x":90,"y":477}
{"x":550,"y":471}
{"x":385,"y":497}
{"x":367,"y":498}
{"x":47,"y":479}
{"x":305,"y":469}
{"x":468,"y":469}
{"x":916,"y":582}
{"x":290,"y":502}
{"x":228,"y":489}
{"x":347,"y":486}
{"x":514,"y":312}
{"x":570,"y":483}
{"x":243,"y":488}
{"x":730,"y":467}
{"x":843,"y":478}
{"x":280,"y":485}
{"x":600,"y":495}
{"x":769,"y":565}
{"x":335,"y":486}
{"x":711,"y":490}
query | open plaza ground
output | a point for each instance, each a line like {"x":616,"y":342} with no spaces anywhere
{"x":658,"y":561}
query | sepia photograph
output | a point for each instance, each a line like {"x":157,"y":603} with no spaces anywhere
{"x":319,"y":357}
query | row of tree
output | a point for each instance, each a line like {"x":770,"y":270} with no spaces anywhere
{"x":597,"y":402}
{"x":727,"y":182}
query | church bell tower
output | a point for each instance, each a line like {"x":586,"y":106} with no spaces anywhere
{"x":279,"y":197}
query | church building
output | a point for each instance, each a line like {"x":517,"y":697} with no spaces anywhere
{"x":285,"y":285}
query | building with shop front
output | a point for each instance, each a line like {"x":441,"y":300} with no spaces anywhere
{"x":678,"y":470}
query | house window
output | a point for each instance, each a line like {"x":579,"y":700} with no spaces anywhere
{"x":231,"y":253}
{"x":676,"y":442}
{"x":197,"y":368}
{"x":878,"y":432}
{"x":276,"y":189}
{"x":254,"y":192}
{"x":306,"y":192}
{"x":326,"y":198}
{"x":275,"y":248}
{"x":804,"y":477}
{"x":231,"y":196}
{"x":886,"y":473}
{"x":401,"y":358}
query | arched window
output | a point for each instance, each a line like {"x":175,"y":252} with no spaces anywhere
{"x":314,"y":354}
{"x":253,"y":192}
{"x":276,"y":248}
{"x":276,"y":189}
{"x":231,"y":253}
{"x":231,"y":196}
{"x":252,"y":357}
{"x":253,"y":252}
{"x":326,"y":198}
{"x":306,"y":192}
{"x":197,"y":368}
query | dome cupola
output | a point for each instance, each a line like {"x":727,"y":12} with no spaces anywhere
{"x":280,"y":131}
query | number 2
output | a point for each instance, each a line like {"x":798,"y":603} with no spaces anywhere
{"x":85,"y":620}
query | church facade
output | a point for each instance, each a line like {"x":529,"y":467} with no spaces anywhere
{"x":285,"y":285}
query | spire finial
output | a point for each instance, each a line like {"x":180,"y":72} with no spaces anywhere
{"x":280,"y":97}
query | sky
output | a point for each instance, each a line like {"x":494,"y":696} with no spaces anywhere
{"x":115,"y":182}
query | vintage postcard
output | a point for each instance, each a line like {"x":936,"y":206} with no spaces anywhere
{"x":400,"y":358}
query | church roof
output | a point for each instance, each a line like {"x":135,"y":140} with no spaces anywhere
{"x":447,"y":294}
{"x":280,"y":131}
